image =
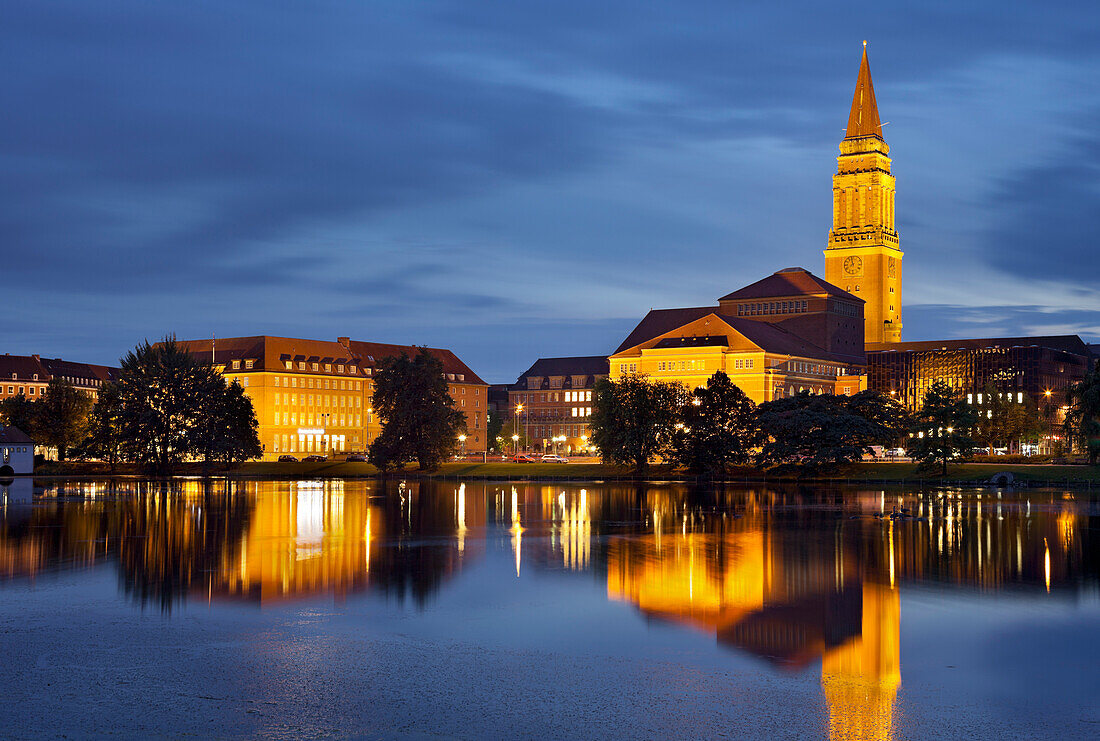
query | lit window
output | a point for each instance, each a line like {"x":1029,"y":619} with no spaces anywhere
{"x":236,"y":364}
{"x":248,"y":363}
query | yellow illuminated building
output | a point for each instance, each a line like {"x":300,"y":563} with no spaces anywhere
{"x":314,"y":396}
{"x":864,"y":256}
{"x":786,"y":333}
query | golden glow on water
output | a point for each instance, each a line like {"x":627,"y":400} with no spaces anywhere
{"x":770,"y":574}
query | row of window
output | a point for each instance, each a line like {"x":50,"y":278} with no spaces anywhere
{"x":743,"y":363}
{"x":798,"y":366}
{"x":321,"y":400}
{"x":24,"y":390}
{"x":771,"y":307}
{"x":461,"y":391}
{"x":323,"y":418}
{"x":554,"y":396}
{"x":1019,"y":397}
{"x":302,"y":365}
{"x":554,"y":430}
{"x":582,"y":411}
{"x":673,"y":365}
{"x":292,"y":382}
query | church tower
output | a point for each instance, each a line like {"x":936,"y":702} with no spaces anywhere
{"x":864,"y":256}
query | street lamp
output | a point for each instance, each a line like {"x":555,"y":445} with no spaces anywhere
{"x":515,"y":443}
{"x":515,"y":423}
{"x":462,"y":439}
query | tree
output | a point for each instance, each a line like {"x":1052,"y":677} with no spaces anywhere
{"x":634,"y":419}
{"x":717,"y":427}
{"x":162,"y":390}
{"x":819,"y":431}
{"x":19,"y":411}
{"x":941,"y":429}
{"x":511,"y":429}
{"x":1082,"y":424}
{"x":891,"y":419}
{"x":103,"y":439}
{"x":494,"y":426}
{"x":228,"y":430}
{"x":419,"y":419}
{"x":62,"y":416}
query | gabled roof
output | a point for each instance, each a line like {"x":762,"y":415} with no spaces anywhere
{"x":659,"y":321}
{"x":588,"y":365}
{"x":863,"y":119}
{"x":767,"y":336}
{"x":10,"y":434}
{"x":789,"y":282}
{"x":451,"y":363}
{"x":23,"y":366}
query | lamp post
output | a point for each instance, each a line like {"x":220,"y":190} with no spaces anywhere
{"x":515,"y":424}
{"x":515,"y":444}
{"x":462,"y":439}
{"x":1049,"y":423}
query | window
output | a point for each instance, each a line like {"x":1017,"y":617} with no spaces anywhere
{"x":328,"y":368}
{"x":339,"y":368}
{"x":276,"y":381}
{"x":32,"y":390}
{"x":314,"y":366}
{"x":244,"y":381}
{"x":249,"y":363}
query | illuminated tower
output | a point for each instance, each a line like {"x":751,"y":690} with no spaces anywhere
{"x":863,"y":256}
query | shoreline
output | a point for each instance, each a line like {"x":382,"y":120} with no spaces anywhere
{"x":964,"y":474}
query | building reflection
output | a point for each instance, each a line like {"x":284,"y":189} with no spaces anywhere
{"x":797,"y":578}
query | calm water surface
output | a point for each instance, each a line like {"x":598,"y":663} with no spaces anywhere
{"x":356,"y":609}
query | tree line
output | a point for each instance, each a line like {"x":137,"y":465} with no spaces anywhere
{"x":165,"y":407}
{"x":715,"y":427}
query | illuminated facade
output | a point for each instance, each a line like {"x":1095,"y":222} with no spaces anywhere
{"x":552,"y":402}
{"x":786,"y":333}
{"x":314,"y":396}
{"x":864,"y":253}
{"x":1025,"y":368}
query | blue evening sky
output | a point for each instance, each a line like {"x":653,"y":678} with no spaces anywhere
{"x":520,"y":179}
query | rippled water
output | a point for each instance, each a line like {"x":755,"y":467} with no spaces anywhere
{"x":333,"y":609}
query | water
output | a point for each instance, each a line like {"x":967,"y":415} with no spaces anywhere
{"x":336,"y":609}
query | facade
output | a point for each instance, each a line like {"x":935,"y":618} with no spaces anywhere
{"x":16,"y":452}
{"x":28,"y":375}
{"x":1031,"y":370}
{"x":786,"y":333}
{"x":552,"y":401}
{"x":864,"y":253}
{"x":314,"y":396}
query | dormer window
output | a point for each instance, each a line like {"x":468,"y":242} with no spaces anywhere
{"x":289,"y":365}
{"x":236,"y":365}
{"x":248,"y":363}
{"x":339,"y":368}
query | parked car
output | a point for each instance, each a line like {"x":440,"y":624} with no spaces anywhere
{"x":552,"y":458}
{"x":315,"y":458}
{"x":287,"y":459}
{"x":523,"y":458}
{"x":357,"y":458}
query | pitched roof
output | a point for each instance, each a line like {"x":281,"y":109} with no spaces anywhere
{"x":774,"y":338}
{"x":587,"y":365}
{"x":659,"y":321}
{"x":11,"y":434}
{"x":1069,"y":343}
{"x":72,"y":369}
{"x":272,"y":352}
{"x":25,"y":367}
{"x":451,"y":362}
{"x":863,"y":119}
{"x":789,"y":282}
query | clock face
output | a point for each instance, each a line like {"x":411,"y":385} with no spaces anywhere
{"x":853,"y":265}
{"x":892,"y":266}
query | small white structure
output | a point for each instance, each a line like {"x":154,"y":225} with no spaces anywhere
{"x":16,"y":452}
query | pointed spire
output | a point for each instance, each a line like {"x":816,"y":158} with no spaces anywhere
{"x":864,"y":120}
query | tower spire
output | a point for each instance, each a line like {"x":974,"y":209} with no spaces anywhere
{"x":863,"y":119}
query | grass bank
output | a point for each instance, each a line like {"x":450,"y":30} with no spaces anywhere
{"x":859,"y":472}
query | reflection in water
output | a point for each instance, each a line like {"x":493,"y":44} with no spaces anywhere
{"x":790,"y":576}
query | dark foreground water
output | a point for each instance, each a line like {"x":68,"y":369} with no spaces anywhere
{"x":337,"y":609}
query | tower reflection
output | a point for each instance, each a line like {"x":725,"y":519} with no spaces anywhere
{"x":793,"y":577}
